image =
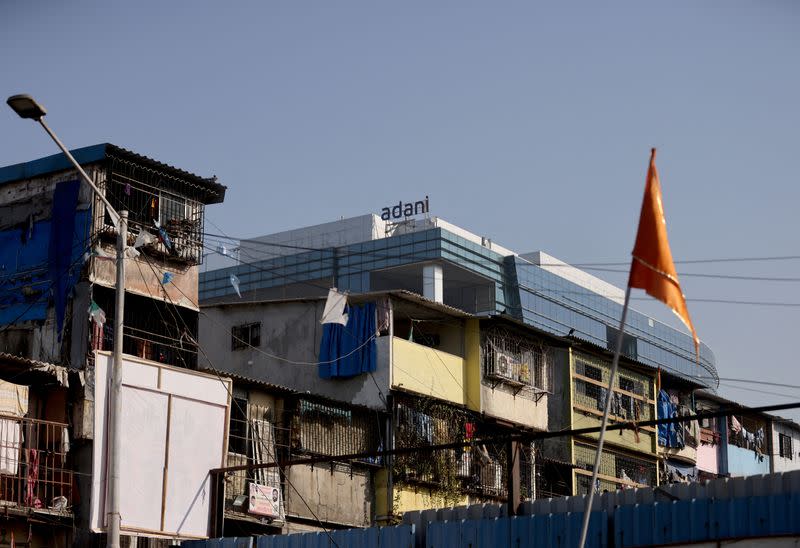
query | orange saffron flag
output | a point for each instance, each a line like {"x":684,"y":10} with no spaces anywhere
{"x":652,"y":268}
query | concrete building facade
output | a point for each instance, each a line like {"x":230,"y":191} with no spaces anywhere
{"x":57,"y":251}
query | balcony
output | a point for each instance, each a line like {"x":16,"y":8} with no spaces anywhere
{"x":424,"y":370}
{"x":33,"y":473}
{"x":153,"y":329}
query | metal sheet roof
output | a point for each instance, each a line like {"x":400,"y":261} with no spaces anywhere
{"x":21,"y":370}
{"x":215,"y":192}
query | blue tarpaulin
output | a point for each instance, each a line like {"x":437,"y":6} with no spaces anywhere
{"x":62,"y":228}
{"x":43,"y":259}
{"x":349,"y":350}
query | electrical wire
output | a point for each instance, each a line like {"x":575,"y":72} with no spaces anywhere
{"x":230,"y":394}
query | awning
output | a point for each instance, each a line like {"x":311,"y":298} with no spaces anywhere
{"x":19,"y":370}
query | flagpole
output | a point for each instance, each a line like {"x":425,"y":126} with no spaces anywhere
{"x":609,"y":392}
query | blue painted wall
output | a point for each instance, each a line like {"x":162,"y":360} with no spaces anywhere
{"x":744,"y":462}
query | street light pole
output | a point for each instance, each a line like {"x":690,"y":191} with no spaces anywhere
{"x":26,"y":107}
{"x":115,"y":397}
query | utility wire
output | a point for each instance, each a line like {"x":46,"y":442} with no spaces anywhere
{"x":525,"y":436}
{"x":233,"y":399}
{"x":255,"y":266}
{"x":585,"y":266}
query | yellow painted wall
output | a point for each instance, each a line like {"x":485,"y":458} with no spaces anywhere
{"x":504,"y":405}
{"x":627,"y":439}
{"x":426,"y":371}
{"x":407,"y":498}
{"x":472,"y":364}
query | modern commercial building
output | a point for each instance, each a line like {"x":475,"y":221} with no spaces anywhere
{"x":57,"y":289}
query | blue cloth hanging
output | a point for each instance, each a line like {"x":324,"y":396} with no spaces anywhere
{"x":664,"y":408}
{"x":349,"y":350}
{"x":62,"y":228}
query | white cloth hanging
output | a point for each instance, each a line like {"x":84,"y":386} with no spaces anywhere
{"x":334,"y":308}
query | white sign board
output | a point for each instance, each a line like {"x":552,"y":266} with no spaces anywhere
{"x":174,"y":431}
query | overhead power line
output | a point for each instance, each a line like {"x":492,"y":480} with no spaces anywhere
{"x":522,"y":437}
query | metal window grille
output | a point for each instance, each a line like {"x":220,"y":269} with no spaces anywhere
{"x":33,"y":471}
{"x":325,"y":429}
{"x":631,"y":390}
{"x":153,"y":329}
{"x":633,"y":471}
{"x":254,"y":438}
{"x":149,"y":197}
{"x":785,"y":446}
{"x":245,"y":336}
{"x":516,"y":364}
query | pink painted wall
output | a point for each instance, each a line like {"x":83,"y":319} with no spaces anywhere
{"x":707,"y":458}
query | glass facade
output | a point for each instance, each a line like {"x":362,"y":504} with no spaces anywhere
{"x":522,"y":289}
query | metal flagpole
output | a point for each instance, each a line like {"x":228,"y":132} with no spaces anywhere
{"x":609,"y":392}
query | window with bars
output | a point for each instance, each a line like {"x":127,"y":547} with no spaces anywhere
{"x":237,"y":436}
{"x":785,"y":446}
{"x":153,"y":198}
{"x":617,"y":469}
{"x":245,"y":336}
{"x":521,"y":364}
{"x":326,"y":429}
{"x":632,"y":391}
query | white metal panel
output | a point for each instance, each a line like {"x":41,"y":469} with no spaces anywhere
{"x":143,"y":450}
{"x":97,"y":518}
{"x":196,"y":437}
{"x":139,"y":374}
{"x":195,"y":447}
{"x":195,"y":386}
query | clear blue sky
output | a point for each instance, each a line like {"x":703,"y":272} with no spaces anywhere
{"x":526,"y":123}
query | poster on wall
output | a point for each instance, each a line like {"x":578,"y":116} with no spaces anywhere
{"x":265,"y":500}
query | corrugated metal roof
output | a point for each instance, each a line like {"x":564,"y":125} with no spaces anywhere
{"x":22,"y":370}
{"x":246,"y":379}
{"x":215,"y":192}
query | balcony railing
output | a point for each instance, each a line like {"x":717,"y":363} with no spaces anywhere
{"x":33,"y":473}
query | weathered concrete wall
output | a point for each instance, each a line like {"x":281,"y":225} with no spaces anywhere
{"x":143,"y":279}
{"x":559,"y":407}
{"x":503,"y":404}
{"x":340,"y":496}
{"x":288,"y":352}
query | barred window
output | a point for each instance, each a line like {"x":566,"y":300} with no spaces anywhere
{"x":246,"y":335}
{"x":785,"y":446}
{"x":325,"y":429}
{"x":617,"y":469}
{"x":513,"y":362}
{"x":237,"y":436}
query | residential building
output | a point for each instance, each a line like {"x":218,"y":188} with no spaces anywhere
{"x":734,"y":446}
{"x":440,"y":375}
{"x":785,"y":436}
{"x":630,"y":457}
{"x":58,"y":256}
{"x":679,"y":444}
{"x":481,"y":339}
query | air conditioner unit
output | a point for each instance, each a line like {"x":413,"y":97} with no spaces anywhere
{"x":509,"y":367}
{"x":503,"y":364}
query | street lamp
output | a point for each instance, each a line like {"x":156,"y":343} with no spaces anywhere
{"x":27,"y":107}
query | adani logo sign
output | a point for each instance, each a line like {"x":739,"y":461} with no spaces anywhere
{"x":402,"y":210}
